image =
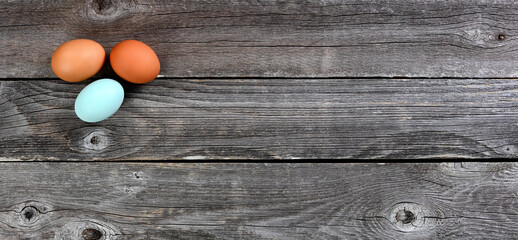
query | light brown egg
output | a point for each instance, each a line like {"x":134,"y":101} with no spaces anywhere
{"x":78,"y":60}
{"x":134,"y":61}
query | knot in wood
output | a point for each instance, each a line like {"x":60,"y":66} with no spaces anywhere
{"x":103,"y":7}
{"x":105,"y":11}
{"x":410,"y":217}
{"x":96,"y":140}
{"x":29,"y":214}
{"x":91,"y":234}
{"x":87,"y":229}
{"x":501,"y":37}
{"x":405,"y":216}
{"x":507,"y":150}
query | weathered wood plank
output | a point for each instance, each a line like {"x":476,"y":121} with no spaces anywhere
{"x":258,"y":201}
{"x":265,"y":118}
{"x":311,"y":38}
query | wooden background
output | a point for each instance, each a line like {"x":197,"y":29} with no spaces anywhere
{"x":274,"y":80}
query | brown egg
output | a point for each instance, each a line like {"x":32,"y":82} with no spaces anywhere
{"x":78,"y":60}
{"x":134,"y":61}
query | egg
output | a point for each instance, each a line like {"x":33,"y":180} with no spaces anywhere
{"x":99,"y":100}
{"x":134,"y":61}
{"x":78,"y":60}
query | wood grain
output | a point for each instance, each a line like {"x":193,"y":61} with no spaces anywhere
{"x":311,"y":38}
{"x":265,"y":119}
{"x":248,"y":79}
{"x":258,"y":201}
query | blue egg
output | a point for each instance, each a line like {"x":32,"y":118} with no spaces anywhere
{"x":99,"y":100}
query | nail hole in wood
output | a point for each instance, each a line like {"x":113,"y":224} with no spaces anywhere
{"x":501,"y":37}
{"x":91,"y":234}
{"x":405,"y":216}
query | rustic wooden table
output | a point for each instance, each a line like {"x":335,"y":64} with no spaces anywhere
{"x":252,"y":79}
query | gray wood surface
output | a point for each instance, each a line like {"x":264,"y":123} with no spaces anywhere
{"x":248,"y":79}
{"x":259,"y":201}
{"x":311,"y":38}
{"x":265,"y":118}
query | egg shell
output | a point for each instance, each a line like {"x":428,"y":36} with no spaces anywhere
{"x":78,"y":60}
{"x":134,"y":61}
{"x":99,"y":100}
